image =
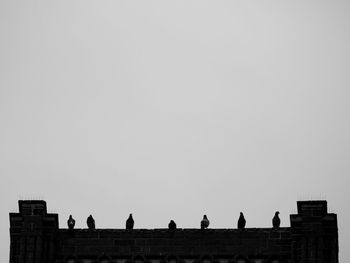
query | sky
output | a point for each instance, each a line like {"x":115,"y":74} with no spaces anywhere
{"x":175,"y":109}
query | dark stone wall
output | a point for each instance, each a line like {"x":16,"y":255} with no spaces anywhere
{"x":180,"y":242}
{"x":314,"y":233}
{"x":36,"y":238}
{"x":32,"y":233}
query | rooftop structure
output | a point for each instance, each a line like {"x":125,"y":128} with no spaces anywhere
{"x":36,"y":238}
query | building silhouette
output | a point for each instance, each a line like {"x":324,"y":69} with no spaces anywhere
{"x":36,"y":238}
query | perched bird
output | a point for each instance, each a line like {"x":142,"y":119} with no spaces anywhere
{"x":129,"y":222}
{"x":71,"y":222}
{"x":241,"y":221}
{"x":172,"y":225}
{"x":90,"y":222}
{"x":276,"y":221}
{"x":204,"y":222}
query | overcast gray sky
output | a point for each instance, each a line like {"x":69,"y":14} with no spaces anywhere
{"x":173,"y":109}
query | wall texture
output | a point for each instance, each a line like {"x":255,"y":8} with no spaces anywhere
{"x":36,"y":238}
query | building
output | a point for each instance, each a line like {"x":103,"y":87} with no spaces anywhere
{"x":36,"y":238}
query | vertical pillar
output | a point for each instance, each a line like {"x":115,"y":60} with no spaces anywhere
{"x":29,"y":230}
{"x":314,"y":233}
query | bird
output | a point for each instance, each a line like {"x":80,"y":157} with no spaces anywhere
{"x":204,"y":222}
{"x":90,"y":222}
{"x":129,"y":222}
{"x":276,"y":221}
{"x":71,"y":222}
{"x":172,"y":225}
{"x":241,"y":221}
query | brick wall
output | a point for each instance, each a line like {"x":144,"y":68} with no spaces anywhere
{"x":36,"y":238}
{"x":181,"y":242}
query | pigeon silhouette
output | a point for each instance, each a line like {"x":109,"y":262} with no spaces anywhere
{"x":241,"y":221}
{"x":172,"y":225}
{"x":129,"y":222}
{"x":71,"y":222}
{"x":204,"y":222}
{"x":276,"y":221}
{"x":90,"y":222}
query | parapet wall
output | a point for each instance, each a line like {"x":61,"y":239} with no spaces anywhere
{"x":36,"y":238}
{"x":180,"y":242}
